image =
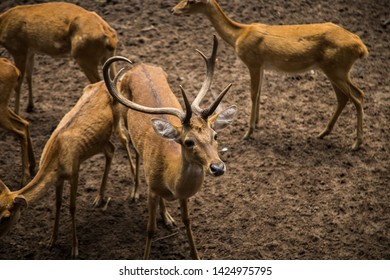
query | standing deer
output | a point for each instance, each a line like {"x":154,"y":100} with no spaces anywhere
{"x":9,"y":76}
{"x":176,"y":148}
{"x":82,"y":133}
{"x":56,"y":29}
{"x":290,"y":48}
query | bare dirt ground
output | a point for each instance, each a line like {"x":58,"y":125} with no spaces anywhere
{"x":285,"y":195}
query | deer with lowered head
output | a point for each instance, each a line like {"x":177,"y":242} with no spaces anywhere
{"x":9,"y":76}
{"x":290,"y":48}
{"x":177,"y":148}
{"x":83,"y":132}
{"x":55,"y":29}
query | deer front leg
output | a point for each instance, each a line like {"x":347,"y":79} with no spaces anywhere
{"x":73,"y":195}
{"x":109,"y":150}
{"x":59,"y":190}
{"x":187,"y":222}
{"x":20,"y":62}
{"x":153,"y":201}
{"x":256,"y":74}
{"x":29,"y":71}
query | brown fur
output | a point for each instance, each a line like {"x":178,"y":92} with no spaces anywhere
{"x":56,"y":29}
{"x":9,"y":76}
{"x":290,"y":48}
{"x":82,"y":133}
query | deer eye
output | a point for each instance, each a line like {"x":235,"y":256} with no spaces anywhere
{"x":189,"y":143}
{"x":215,"y":136}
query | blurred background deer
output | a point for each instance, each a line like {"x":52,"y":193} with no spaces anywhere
{"x":83,"y":132}
{"x":290,"y":48}
{"x":9,"y":77}
{"x":55,"y":29}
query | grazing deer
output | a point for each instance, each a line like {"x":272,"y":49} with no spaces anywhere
{"x":83,"y":132}
{"x":56,"y":29}
{"x":9,"y":76}
{"x":176,"y":148}
{"x":290,"y":48}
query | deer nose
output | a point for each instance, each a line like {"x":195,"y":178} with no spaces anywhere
{"x":217,"y":169}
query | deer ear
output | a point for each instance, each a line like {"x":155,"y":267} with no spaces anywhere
{"x":165,"y":129}
{"x":223,"y":119}
{"x":20,"y":201}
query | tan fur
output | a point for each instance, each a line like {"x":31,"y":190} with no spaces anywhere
{"x":82,"y":133}
{"x":290,"y":48}
{"x":9,"y":76}
{"x":56,"y":29}
{"x":173,"y":170}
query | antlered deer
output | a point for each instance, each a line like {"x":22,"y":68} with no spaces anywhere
{"x":82,"y":133}
{"x":9,"y":76}
{"x":176,"y":148}
{"x":290,"y":48}
{"x":56,"y":29}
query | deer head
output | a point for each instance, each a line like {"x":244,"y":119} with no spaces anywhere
{"x":11,"y":204}
{"x":198,"y":131}
{"x":190,"y":7}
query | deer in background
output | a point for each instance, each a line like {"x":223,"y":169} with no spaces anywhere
{"x":290,"y":48}
{"x":9,"y":76}
{"x":177,"y":148}
{"x":82,"y":133}
{"x":55,"y":29}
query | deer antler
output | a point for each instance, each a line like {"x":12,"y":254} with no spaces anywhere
{"x":112,"y":89}
{"x":210,"y":64}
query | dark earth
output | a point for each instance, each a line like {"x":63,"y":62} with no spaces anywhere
{"x":285,"y":195}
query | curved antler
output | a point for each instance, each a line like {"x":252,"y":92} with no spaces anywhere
{"x":112,"y":89}
{"x":210,"y":63}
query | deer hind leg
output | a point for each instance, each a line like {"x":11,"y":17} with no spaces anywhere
{"x":134,"y":190}
{"x":356,"y":96}
{"x":19,"y":126}
{"x":187,"y":222}
{"x":167,"y":218}
{"x":109,"y":150}
{"x":72,"y":207}
{"x":357,"y":99}
{"x":153,"y":201}
{"x":256,"y":75}
{"x":134,"y":195}
{"x":342,"y":100}
{"x":59,"y":191}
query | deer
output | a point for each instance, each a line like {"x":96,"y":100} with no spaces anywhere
{"x":177,"y":147}
{"x":55,"y":29}
{"x":9,"y":120}
{"x":83,"y":132}
{"x":290,"y":48}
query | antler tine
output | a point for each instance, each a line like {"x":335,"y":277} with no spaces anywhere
{"x":3,"y":188}
{"x":210,"y":110}
{"x":188,"y":115}
{"x":210,"y":63}
{"x":112,"y":89}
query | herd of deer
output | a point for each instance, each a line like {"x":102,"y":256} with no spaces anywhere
{"x":177,"y":147}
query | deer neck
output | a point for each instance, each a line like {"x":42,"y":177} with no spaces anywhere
{"x":228,"y":29}
{"x":189,"y":178}
{"x":38,"y":186}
